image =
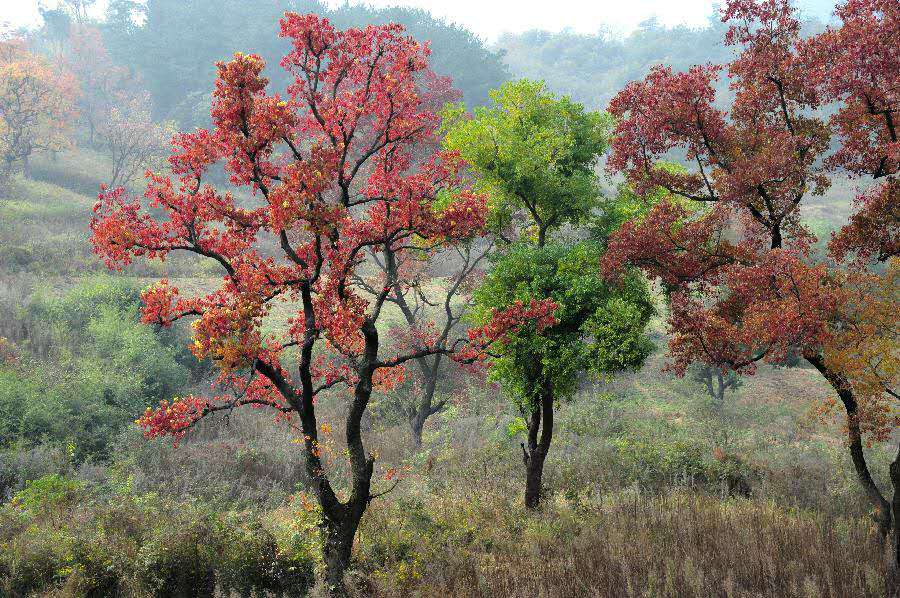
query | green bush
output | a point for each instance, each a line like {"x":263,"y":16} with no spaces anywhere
{"x":178,"y":558}
{"x":103,"y":369}
{"x":252,"y":561}
{"x":141,"y":546}
{"x":49,"y":491}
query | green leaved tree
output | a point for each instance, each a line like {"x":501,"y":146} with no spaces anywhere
{"x":535,"y":154}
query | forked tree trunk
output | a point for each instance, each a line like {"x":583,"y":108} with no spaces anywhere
{"x":425,"y":406}
{"x":340,"y":519}
{"x":540,"y":421}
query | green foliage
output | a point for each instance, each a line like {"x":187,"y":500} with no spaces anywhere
{"x":47,"y":492}
{"x":252,"y":561}
{"x":600,"y":327}
{"x":532,"y":152}
{"x":104,"y":368}
{"x":144,"y":546}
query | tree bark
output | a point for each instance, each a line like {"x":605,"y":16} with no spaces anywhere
{"x":854,"y":437}
{"x":337,"y":545}
{"x":541,"y":420}
{"x":425,"y":407}
{"x":720,"y":389}
{"x":340,"y":519}
{"x":892,"y":578}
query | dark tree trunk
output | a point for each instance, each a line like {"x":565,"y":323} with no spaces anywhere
{"x":415,"y":428}
{"x":540,"y":421}
{"x":854,"y":436}
{"x":720,"y":389}
{"x":893,"y":547}
{"x":709,"y":387}
{"x":340,"y":519}
{"x":338,"y":533}
{"x":534,"y":472}
{"x":425,"y":406}
{"x":26,"y":166}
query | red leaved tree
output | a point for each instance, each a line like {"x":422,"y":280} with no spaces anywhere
{"x":729,"y":240}
{"x":331,"y":167}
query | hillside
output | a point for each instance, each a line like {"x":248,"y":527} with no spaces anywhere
{"x":640,"y":433}
{"x":339,"y":301}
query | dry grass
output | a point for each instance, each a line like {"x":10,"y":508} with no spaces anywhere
{"x":675,"y":546}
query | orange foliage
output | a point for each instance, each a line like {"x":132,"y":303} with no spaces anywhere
{"x":36,"y":106}
{"x":865,"y":347}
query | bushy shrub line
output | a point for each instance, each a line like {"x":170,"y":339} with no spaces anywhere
{"x":59,"y":538}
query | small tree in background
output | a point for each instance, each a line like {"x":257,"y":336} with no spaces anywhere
{"x":433,"y":297}
{"x":746,"y":286}
{"x":534,"y":154}
{"x":715,"y":380}
{"x":133,"y":141}
{"x":36,"y":107}
{"x":332,"y":167}
{"x":433,"y":306}
{"x":103,"y":85}
{"x":78,"y":9}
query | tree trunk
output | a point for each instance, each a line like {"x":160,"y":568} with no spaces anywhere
{"x":534,"y":471}
{"x":541,"y":419}
{"x":425,"y":406}
{"x":854,"y":437}
{"x":341,"y":521}
{"x":707,"y":379}
{"x":892,"y":581}
{"x":337,"y":539}
{"x":720,"y":389}
{"x":416,"y":423}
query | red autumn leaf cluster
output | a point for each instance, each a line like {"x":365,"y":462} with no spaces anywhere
{"x":340,"y":165}
{"x":745,"y":284}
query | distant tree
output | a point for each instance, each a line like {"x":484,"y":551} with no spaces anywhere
{"x":133,"y":141}
{"x":745,"y":285}
{"x":715,"y":380}
{"x":455,"y":51}
{"x":593,"y":67}
{"x":103,"y":85}
{"x":172,"y":45}
{"x":78,"y":9}
{"x":332,"y":167}
{"x":36,"y":107}
{"x":535,"y":155}
{"x":435,"y":380}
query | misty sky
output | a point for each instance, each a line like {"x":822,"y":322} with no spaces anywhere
{"x":491,"y":18}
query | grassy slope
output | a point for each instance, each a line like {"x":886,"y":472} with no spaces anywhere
{"x":44,"y":229}
{"x":627,"y":422}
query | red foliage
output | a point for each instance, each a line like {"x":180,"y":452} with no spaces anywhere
{"x":742,"y":285}
{"x":505,"y":321}
{"x":341,"y":165}
{"x":857,"y":64}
